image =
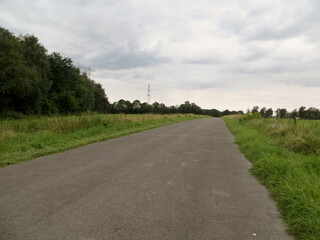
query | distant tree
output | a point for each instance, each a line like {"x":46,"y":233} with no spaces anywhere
{"x":185,"y":107}
{"x":263,"y":112}
{"x":146,"y":108}
{"x":255,"y":109}
{"x":122,"y":106}
{"x":156,"y":107}
{"x":163,"y":109}
{"x":173,"y":109}
{"x":269,"y":113}
{"x":281,"y":113}
{"x":195,"y":109}
{"x":225,"y":112}
{"x":301,"y":112}
{"x":213,"y":113}
{"x":312,"y":113}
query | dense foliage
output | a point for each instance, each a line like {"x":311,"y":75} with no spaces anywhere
{"x":35,"y":82}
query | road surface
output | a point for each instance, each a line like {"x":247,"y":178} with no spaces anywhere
{"x":178,"y":182}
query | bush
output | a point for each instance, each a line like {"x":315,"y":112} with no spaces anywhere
{"x":250,"y":116}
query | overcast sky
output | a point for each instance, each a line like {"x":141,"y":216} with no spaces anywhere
{"x":217,"y":53}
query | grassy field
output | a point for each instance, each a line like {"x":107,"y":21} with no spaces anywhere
{"x":32,"y":137}
{"x":286,"y":159}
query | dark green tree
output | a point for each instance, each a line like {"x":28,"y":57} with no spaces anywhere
{"x":255,"y":109}
{"x":136,"y":106}
{"x":269,"y":113}
{"x":101,"y":103}
{"x":302,"y":112}
{"x":281,"y":113}
{"x":19,"y":82}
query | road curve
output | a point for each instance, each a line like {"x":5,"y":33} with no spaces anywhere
{"x":183,"y":181}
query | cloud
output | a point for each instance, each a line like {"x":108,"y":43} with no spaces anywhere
{"x":271,"y":21}
{"x":125,"y":58}
{"x":203,"y":60}
{"x":215,"y":53}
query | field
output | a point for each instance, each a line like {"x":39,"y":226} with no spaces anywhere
{"x":32,"y":137}
{"x":285,"y":158}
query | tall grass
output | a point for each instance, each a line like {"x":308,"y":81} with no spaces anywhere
{"x":63,"y":124}
{"x":31,"y":137}
{"x":302,"y":136}
{"x":285,"y":158}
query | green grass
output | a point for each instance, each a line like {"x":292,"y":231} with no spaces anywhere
{"x":285,"y":158}
{"x":32,"y":137}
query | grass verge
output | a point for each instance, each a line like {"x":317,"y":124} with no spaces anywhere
{"x":291,"y":173}
{"x":32,"y":137}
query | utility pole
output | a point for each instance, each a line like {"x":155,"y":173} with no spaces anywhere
{"x":148,"y":95}
{"x":86,"y":70}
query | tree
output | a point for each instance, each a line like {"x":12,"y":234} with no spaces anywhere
{"x":185,"y":107}
{"x":156,"y":107}
{"x":163,"y":109}
{"x":255,"y":109}
{"x":281,"y":113}
{"x":301,"y":112}
{"x":263,"y":112}
{"x":146,"y":108}
{"x":269,"y":113}
{"x":195,"y":109}
{"x":66,"y":90}
{"x":122,"y":106}
{"x":136,"y":105}
{"x":312,"y":113}
{"x":36,"y":58}
{"x":31,"y":81}
{"x":19,"y":82}
{"x":101,"y":102}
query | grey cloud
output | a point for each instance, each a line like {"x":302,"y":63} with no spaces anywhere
{"x":255,"y":70}
{"x":126,"y":59}
{"x":143,"y":76}
{"x":305,"y":82}
{"x":254,"y":54}
{"x":265,"y":66}
{"x":280,"y":32}
{"x":258,"y":26}
{"x":203,"y":60}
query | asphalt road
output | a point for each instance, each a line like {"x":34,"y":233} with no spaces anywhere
{"x":183,"y":181}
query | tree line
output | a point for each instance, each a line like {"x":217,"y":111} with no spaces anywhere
{"x":311,"y":113}
{"x":35,"y":82}
{"x":137,"y":107}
